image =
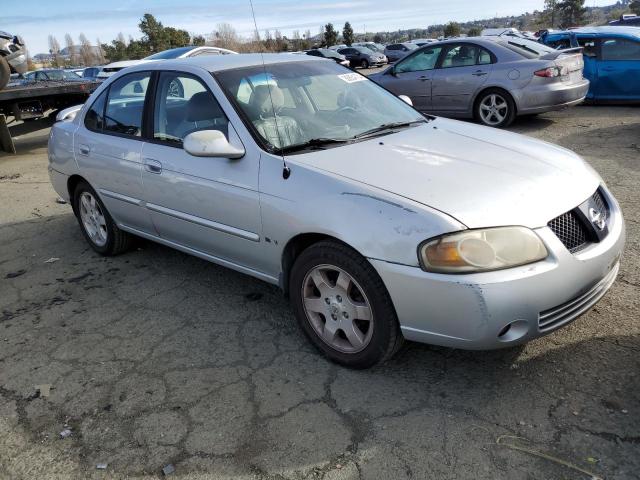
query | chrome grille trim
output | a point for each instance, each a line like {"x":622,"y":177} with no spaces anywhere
{"x":562,"y":314}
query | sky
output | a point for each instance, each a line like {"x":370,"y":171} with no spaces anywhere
{"x":36,"y":19}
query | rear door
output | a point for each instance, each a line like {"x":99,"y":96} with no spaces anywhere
{"x":412,"y":76}
{"x":618,"y":69}
{"x":463,"y":70}
{"x":108,"y":146}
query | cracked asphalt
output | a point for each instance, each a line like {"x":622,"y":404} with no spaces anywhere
{"x":154,"y":358}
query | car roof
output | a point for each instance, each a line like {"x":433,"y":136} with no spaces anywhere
{"x":605,"y":30}
{"x":215,"y":63}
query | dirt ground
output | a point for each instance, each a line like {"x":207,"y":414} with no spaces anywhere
{"x":156,"y":358}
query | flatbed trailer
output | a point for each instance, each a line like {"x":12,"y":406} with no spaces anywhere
{"x":33,"y":100}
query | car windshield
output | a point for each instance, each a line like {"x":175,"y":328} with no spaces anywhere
{"x":168,"y":54}
{"x":295,"y":105}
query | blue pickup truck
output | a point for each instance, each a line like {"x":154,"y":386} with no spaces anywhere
{"x":611,"y":60}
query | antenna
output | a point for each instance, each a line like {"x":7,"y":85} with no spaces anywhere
{"x":286,"y":171}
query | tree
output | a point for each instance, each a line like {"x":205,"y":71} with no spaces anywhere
{"x":197,"y":40}
{"x":330,"y":35}
{"x":452,"y":29}
{"x":635,"y":6}
{"x":347,"y":34}
{"x":378,"y":38}
{"x":572,"y":12}
{"x":153,"y":33}
{"x":474,"y":32}
{"x":86,"y":51}
{"x":54,"y":50}
{"x":307,"y":44}
{"x":551,"y":10}
{"x":225,"y":36}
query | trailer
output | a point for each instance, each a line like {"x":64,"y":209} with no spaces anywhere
{"x":30,"y":101}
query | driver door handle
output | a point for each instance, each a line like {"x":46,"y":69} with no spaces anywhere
{"x":424,"y":78}
{"x":152,"y":166}
{"x":479,"y":73}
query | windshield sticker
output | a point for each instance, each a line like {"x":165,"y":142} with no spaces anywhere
{"x":352,"y":77}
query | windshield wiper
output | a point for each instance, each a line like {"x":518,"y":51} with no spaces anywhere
{"x":387,"y":126}
{"x":312,"y":143}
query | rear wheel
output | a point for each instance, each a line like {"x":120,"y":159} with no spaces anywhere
{"x":364,"y":64}
{"x":343,"y":307}
{"x":96,"y":224}
{"x":5,"y":73}
{"x":495,"y":108}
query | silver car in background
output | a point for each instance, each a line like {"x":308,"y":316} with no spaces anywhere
{"x":491,"y":79}
{"x":380,"y":224}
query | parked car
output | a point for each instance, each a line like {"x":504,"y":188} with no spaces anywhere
{"x":626,"y":20}
{"x":422,"y":41}
{"x":611,"y":60}
{"x":52,"y":75}
{"x":363,"y":57}
{"x":375,"y":47}
{"x":173,"y":53}
{"x":13,"y":57}
{"x":331,"y":54}
{"x":91,"y":73}
{"x":338,"y":47}
{"x":379,"y":223}
{"x":491,"y":79}
{"x":396,"y":51}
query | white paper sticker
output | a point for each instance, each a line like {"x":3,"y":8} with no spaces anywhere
{"x":352,"y":77}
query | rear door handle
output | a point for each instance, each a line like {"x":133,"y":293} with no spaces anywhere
{"x":84,"y":149}
{"x":479,"y":73}
{"x":152,"y":166}
{"x":424,"y":78}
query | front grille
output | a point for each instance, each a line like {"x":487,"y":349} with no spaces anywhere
{"x":562,"y":314}
{"x":570,"y":230}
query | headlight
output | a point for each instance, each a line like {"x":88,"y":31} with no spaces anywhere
{"x":481,"y":250}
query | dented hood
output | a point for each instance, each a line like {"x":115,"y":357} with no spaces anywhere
{"x":480,"y":176}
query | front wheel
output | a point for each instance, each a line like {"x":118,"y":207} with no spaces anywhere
{"x":495,"y":108}
{"x":343,"y":307}
{"x":5,"y":73}
{"x":96,"y":224}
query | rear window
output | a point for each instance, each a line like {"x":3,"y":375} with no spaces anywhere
{"x":527,"y":48}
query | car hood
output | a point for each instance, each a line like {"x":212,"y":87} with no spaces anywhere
{"x":479,"y":175}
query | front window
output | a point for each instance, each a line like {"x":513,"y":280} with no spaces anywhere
{"x":423,"y":60}
{"x":620,"y":49}
{"x":183,"y":105}
{"x":312,"y":103}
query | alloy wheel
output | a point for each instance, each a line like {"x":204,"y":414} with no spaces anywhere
{"x":337,"y":308}
{"x":493,"y":109}
{"x":93,"y":219}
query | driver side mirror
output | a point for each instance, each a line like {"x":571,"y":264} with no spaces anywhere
{"x":211,"y":143}
{"x":406,"y":99}
{"x":392,"y":71}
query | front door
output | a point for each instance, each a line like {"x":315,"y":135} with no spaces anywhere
{"x":463,"y":70}
{"x":210,"y":205}
{"x":413,"y":75}
{"x":108,"y":148}
{"x":618,"y":70}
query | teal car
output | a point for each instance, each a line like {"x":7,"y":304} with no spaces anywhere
{"x":611,"y":60}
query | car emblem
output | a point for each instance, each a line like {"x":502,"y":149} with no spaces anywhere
{"x":597,"y":218}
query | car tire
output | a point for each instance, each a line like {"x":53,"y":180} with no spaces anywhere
{"x":96,"y":223}
{"x":343,"y":307}
{"x":495,"y":107}
{"x":5,"y":73}
{"x":364,"y":64}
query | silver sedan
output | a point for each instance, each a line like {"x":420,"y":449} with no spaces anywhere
{"x":491,"y":79}
{"x":379,"y":224}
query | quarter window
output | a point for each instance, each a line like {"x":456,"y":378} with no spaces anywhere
{"x":423,"y":60}
{"x":183,"y":105}
{"x":123,"y":113}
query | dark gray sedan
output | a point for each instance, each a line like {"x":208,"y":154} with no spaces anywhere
{"x":491,"y":79}
{"x":362,"y":57}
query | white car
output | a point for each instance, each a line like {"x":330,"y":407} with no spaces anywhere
{"x":181,"y":52}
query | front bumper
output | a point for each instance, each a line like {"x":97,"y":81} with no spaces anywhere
{"x":555,"y":96}
{"x":472,"y":311}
